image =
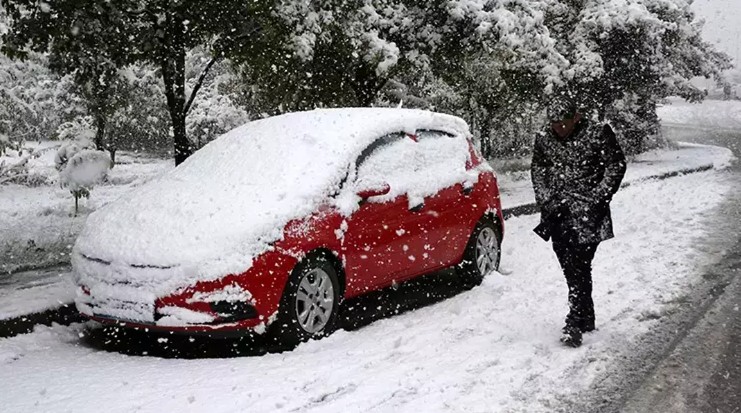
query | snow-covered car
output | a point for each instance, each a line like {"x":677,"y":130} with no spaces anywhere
{"x":271,"y":225}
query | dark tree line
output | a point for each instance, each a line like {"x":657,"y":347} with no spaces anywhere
{"x":496,"y":63}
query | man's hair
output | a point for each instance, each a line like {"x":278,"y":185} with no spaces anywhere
{"x":557,"y":112}
{"x":564,"y":103}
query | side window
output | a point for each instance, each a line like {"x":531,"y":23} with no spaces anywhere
{"x":377,"y":145}
{"x":418,"y":168}
{"x":385,"y":161}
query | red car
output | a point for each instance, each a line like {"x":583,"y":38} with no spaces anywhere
{"x":270,"y":226}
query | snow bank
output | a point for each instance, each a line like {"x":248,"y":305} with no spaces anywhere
{"x":224,"y":206}
{"x":36,"y":291}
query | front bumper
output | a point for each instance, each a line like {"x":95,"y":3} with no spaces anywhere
{"x":226,"y":329}
{"x":114,"y":295}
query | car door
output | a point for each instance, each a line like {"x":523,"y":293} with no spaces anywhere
{"x":446,"y":207}
{"x":376,"y":239}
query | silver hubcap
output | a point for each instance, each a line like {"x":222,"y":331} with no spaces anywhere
{"x":487,"y":250}
{"x":314,"y":300}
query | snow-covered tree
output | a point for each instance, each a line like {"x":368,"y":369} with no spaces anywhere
{"x":141,"y":122}
{"x":486,"y":60}
{"x":626,"y":55}
{"x":83,"y":48}
{"x":33,"y":101}
{"x":108,"y":35}
{"x":215,"y":109}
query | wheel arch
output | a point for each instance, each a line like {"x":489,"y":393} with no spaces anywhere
{"x":336,"y":262}
{"x":496,"y":220}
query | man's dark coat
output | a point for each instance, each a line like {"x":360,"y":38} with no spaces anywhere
{"x":574,"y":180}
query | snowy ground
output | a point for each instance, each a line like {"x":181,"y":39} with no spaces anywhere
{"x":494,"y":348}
{"x":719,"y":114}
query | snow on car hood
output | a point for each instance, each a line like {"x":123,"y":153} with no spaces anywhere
{"x":224,"y":205}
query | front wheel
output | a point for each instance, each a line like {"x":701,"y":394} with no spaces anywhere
{"x":310,"y":302}
{"x":482,"y":253}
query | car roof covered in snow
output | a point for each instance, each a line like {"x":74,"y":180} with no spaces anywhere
{"x":227,"y":202}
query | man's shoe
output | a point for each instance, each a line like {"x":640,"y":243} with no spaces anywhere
{"x":587,"y":326}
{"x":571,"y":336}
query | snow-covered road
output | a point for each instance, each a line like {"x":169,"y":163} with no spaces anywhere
{"x":494,"y":348}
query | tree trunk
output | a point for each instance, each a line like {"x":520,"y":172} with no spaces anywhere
{"x":365,"y":85}
{"x":182,"y":146}
{"x":486,"y":136}
{"x":172,"y":61}
{"x":100,"y":124}
{"x":112,"y":152}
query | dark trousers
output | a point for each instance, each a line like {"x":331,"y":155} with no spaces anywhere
{"x":576,"y":262}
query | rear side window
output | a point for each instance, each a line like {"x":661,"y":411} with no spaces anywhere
{"x":474,"y":158}
{"x":441,"y":152}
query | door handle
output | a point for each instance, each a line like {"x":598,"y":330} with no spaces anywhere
{"x":417,"y":207}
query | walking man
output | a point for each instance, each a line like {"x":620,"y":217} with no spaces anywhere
{"x":577,"y":167}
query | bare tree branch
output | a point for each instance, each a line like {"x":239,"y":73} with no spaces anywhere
{"x":199,"y":83}
{"x":217,"y":56}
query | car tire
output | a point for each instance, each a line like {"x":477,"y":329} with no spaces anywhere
{"x":310,"y":302}
{"x":485,"y":239}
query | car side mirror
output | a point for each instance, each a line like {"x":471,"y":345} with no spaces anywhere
{"x":377,"y":191}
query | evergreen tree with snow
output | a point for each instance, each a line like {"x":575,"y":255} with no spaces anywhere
{"x":625,"y":56}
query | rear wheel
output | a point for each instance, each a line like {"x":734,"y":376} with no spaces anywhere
{"x":310,"y":302}
{"x":482,"y":253}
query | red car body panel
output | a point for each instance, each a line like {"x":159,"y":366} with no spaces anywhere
{"x":378,"y":245}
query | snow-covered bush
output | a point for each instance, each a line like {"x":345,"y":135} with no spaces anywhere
{"x":81,"y":167}
{"x":31,"y":165}
{"x":85,"y":169}
{"x":80,"y":129}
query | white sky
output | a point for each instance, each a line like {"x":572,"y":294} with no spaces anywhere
{"x":722,"y":24}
